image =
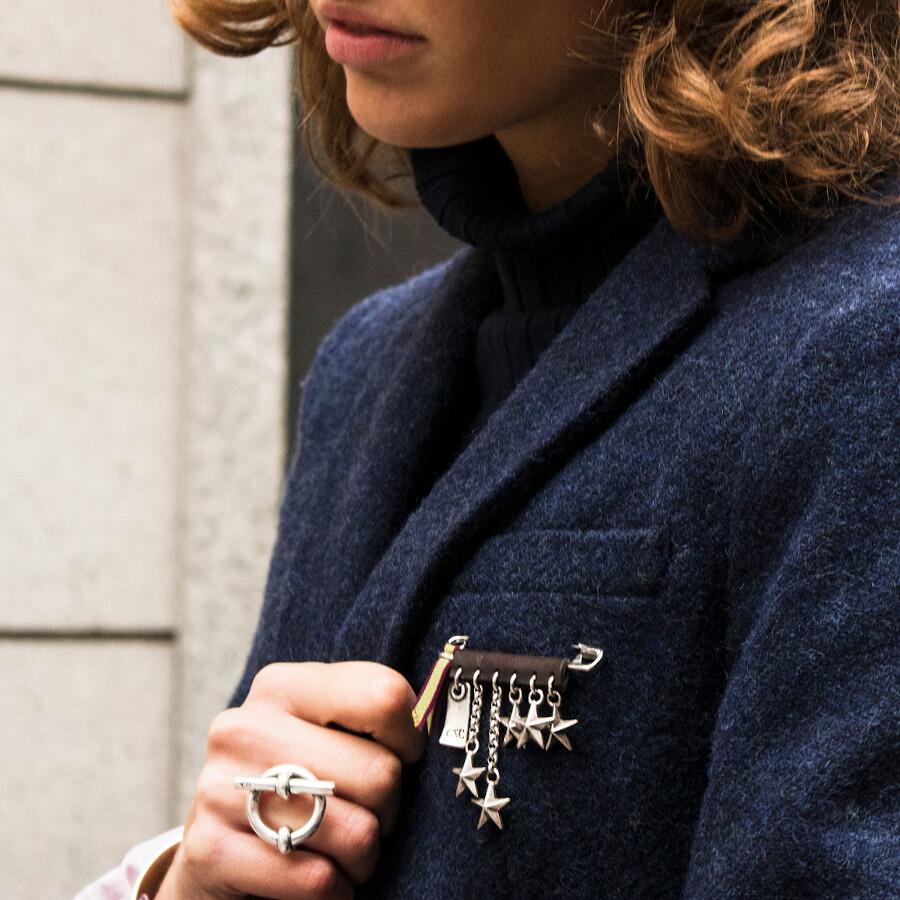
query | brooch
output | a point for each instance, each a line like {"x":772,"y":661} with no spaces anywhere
{"x":475,"y":670}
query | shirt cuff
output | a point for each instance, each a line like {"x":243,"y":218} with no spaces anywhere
{"x":120,"y":883}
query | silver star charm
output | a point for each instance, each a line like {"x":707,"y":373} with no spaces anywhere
{"x":533,"y":727}
{"x":557,"y":726}
{"x":491,"y":806}
{"x":468,"y":773}
{"x":514,"y":724}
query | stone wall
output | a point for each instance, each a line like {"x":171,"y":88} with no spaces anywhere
{"x":143,"y":288}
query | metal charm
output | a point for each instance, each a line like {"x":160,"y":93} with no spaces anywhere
{"x":456,"y":720}
{"x":491,"y":804}
{"x":514,"y":722}
{"x":535,"y":723}
{"x":558,"y":724}
{"x":468,"y":773}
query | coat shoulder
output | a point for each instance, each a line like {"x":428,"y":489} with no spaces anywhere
{"x":818,"y":352}
{"x":368,"y":323}
{"x":803,"y":353}
{"x":356,"y":339}
{"x":832,"y":299}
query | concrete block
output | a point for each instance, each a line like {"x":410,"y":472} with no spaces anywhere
{"x":105,"y":43}
{"x":90,"y":293}
{"x":91,"y":732}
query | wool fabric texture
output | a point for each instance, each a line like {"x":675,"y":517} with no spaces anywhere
{"x":700,"y":475}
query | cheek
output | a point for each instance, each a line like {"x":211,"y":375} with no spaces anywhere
{"x":498,"y":76}
{"x":519,"y":69}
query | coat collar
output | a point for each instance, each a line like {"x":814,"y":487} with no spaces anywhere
{"x":636,"y":321}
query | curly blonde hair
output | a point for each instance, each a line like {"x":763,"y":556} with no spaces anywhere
{"x":735,"y":112}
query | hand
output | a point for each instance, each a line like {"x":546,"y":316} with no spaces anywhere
{"x":286,"y":718}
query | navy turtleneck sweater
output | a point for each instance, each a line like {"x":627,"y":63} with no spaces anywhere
{"x":547,"y":262}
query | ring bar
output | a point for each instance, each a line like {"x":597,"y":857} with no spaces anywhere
{"x":295,"y":785}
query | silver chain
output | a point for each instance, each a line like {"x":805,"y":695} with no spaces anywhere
{"x":494,"y":731}
{"x":472,"y":742}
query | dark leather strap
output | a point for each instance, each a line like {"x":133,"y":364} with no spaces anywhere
{"x":505,"y":664}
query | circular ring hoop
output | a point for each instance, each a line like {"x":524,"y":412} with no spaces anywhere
{"x":280,"y":838}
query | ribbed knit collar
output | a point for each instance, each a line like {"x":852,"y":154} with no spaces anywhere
{"x":546,"y":259}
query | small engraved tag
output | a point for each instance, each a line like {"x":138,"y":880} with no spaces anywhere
{"x":456,"y":721}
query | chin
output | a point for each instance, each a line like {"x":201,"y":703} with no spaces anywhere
{"x":430,"y":128}
{"x":411,"y":134}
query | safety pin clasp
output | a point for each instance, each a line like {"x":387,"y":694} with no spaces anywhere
{"x":586,"y":658}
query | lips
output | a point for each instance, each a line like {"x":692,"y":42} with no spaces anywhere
{"x":360,"y":23}
{"x":367,"y":47}
{"x":357,"y":28}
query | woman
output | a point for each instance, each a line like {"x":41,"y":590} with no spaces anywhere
{"x":651,"y":408}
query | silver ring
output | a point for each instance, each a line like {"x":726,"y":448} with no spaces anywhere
{"x":285,"y":779}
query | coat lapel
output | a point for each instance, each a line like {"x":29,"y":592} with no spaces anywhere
{"x":364,"y":481}
{"x":645,"y":310}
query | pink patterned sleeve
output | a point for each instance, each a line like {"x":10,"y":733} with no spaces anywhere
{"x":118,"y":883}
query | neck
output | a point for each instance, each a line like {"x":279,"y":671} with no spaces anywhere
{"x":558,"y":154}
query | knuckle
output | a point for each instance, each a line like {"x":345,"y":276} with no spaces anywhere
{"x":391,"y":693}
{"x":268,"y":680}
{"x":224,"y":729}
{"x":204,"y":848}
{"x":364,"y":838}
{"x":384,"y":775}
{"x":321,"y":878}
{"x":199,"y":848}
{"x":209,"y":790}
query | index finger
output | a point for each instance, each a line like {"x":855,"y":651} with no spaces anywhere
{"x":364,"y":697}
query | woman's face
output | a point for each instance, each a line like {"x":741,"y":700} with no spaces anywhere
{"x":486,"y":67}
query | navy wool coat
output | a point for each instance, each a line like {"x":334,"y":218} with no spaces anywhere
{"x":700,"y":475}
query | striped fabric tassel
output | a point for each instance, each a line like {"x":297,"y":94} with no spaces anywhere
{"x":423,"y":711}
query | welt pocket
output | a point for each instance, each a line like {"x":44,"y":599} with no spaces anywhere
{"x":594,"y":562}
